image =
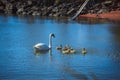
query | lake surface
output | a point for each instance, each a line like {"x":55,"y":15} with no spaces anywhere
{"x":18,"y":61}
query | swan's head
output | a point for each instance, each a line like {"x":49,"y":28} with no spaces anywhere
{"x":83,"y":49}
{"x":52,"y":35}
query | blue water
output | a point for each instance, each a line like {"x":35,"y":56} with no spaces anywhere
{"x":18,"y":61}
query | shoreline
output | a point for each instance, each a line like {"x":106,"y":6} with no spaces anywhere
{"x":113,"y":15}
{"x":61,"y":9}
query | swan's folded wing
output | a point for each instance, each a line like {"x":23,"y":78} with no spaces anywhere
{"x":41,"y":46}
{"x":38,"y":45}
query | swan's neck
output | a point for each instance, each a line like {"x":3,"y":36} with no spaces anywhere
{"x":50,"y":42}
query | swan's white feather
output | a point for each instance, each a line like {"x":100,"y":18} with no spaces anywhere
{"x":41,"y":46}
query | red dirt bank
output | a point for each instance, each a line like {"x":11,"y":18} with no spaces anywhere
{"x":114,"y":15}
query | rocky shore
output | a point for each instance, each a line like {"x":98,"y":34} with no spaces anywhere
{"x":108,"y":10}
{"x":112,"y":15}
{"x":38,"y":8}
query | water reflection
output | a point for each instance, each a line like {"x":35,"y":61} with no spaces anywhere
{"x":40,"y":52}
{"x":37,"y":52}
{"x":74,"y":74}
{"x":19,"y":62}
{"x":115,"y":51}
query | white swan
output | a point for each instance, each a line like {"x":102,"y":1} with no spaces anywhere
{"x":43,"y":46}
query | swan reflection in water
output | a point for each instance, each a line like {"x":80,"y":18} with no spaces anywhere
{"x":37,"y":52}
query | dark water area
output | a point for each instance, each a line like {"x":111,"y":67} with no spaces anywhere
{"x":18,"y":61}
